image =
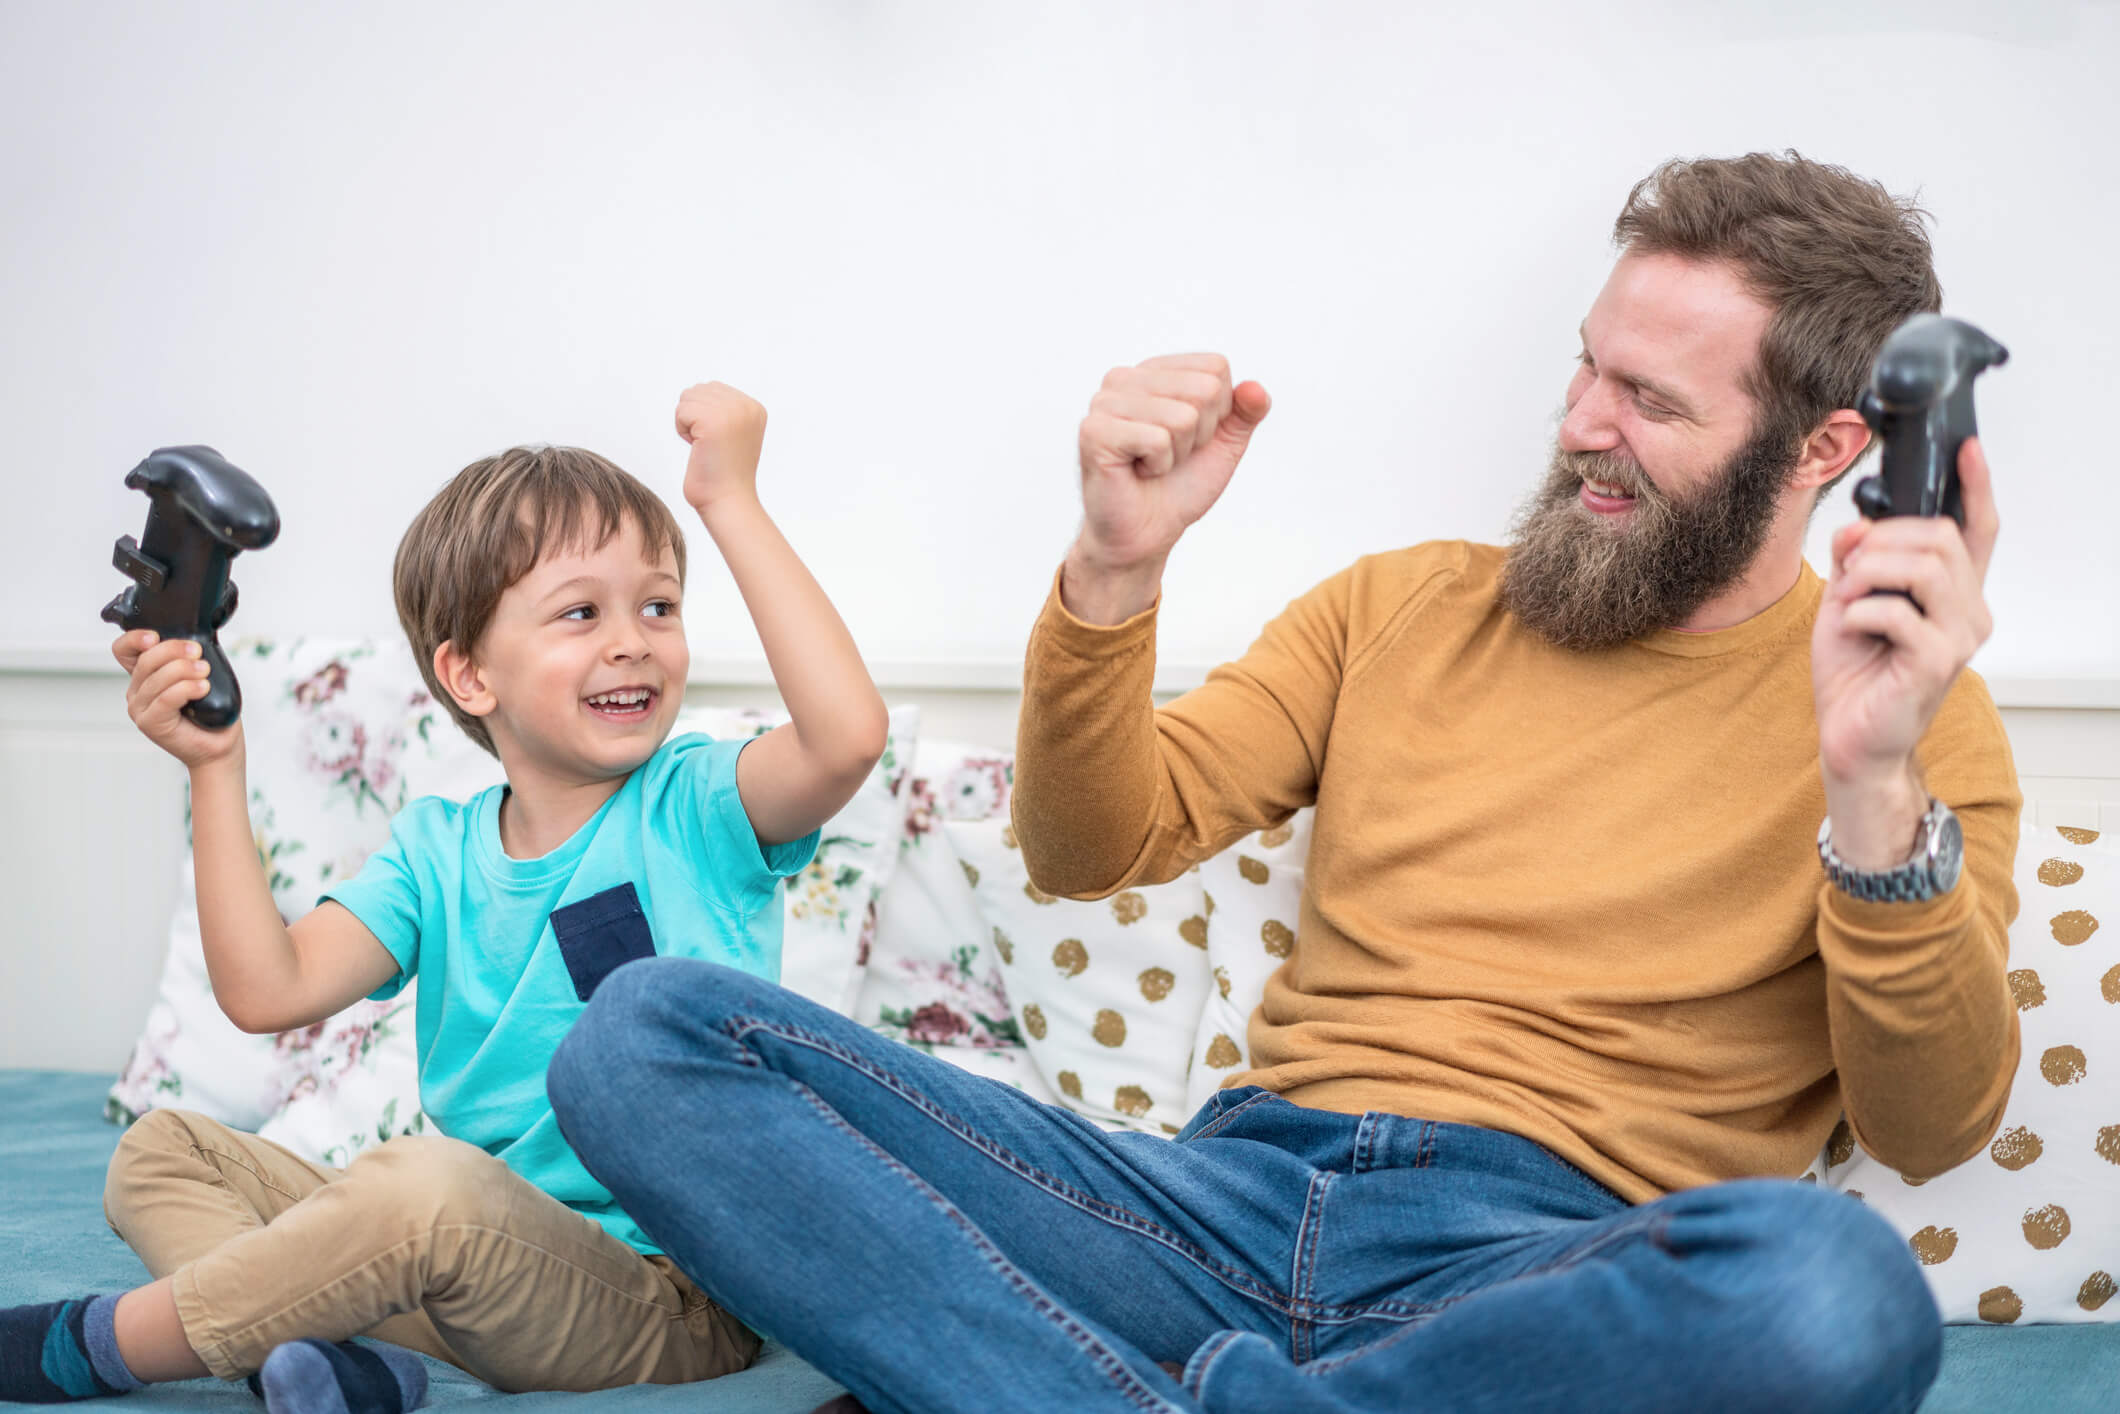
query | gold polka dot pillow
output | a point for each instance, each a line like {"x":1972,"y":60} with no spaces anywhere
{"x":1253,"y":890}
{"x":2029,"y":1230}
{"x":1107,"y":994}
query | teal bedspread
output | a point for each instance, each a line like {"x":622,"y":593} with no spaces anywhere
{"x":53,"y":1243}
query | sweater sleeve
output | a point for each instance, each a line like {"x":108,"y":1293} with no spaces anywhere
{"x":1111,"y":790}
{"x":1924,"y":1030}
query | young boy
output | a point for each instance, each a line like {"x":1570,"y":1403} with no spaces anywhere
{"x":540,"y":590}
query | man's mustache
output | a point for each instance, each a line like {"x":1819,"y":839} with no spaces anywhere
{"x":1608,"y":467}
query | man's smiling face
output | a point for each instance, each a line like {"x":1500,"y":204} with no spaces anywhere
{"x":1658,"y":496}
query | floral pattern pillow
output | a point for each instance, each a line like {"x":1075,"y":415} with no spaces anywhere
{"x":831,"y":918}
{"x":365,"y":1087}
{"x":339,"y":736}
{"x":933,"y":976}
{"x":325,"y":732}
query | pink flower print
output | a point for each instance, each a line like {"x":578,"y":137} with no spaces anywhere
{"x":288,"y":1044}
{"x":920,"y":808}
{"x":937,"y":1024}
{"x":868,"y":935}
{"x":379,"y":761}
{"x":334,"y":743}
{"x":977,"y":790}
{"x":322,"y":685}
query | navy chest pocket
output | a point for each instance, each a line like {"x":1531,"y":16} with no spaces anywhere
{"x":600,"y":934}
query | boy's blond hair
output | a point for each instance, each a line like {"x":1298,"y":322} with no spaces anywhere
{"x":491,"y":524}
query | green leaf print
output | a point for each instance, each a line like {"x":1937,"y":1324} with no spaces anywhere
{"x":1003,"y":1030}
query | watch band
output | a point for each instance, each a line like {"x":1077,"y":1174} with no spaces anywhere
{"x":1919,"y":879}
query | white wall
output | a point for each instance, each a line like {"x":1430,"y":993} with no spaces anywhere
{"x":357,"y":246}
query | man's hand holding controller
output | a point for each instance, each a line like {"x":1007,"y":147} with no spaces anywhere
{"x":1160,"y":443}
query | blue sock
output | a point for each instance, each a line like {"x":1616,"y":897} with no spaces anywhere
{"x":318,"y":1377}
{"x":46,"y":1352}
{"x":99,"y":1333}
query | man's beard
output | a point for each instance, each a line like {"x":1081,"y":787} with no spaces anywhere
{"x":1581,"y":582}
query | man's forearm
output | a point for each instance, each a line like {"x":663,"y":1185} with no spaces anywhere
{"x":1085,"y":788}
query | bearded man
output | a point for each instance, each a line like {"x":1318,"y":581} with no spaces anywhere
{"x":1641,"y":857}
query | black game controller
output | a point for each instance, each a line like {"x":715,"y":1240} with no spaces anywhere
{"x":202,"y":512}
{"x":1920,"y":401}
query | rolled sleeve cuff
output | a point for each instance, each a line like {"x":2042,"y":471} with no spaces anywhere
{"x":1093,"y":642}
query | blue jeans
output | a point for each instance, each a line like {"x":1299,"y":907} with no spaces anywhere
{"x":937,"y":1241}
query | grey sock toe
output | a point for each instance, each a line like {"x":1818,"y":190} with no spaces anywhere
{"x":317,"y":1377}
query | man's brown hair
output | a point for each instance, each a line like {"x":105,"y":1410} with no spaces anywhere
{"x":491,"y":524}
{"x":1839,"y":260}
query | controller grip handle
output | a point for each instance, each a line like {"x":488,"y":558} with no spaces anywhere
{"x":223,"y":702}
{"x":202,"y":512}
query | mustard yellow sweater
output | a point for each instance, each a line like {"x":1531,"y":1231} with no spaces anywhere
{"x":1571,"y":896}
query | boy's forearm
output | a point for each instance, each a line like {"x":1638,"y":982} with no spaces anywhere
{"x":838,"y":715}
{"x":249,"y":955}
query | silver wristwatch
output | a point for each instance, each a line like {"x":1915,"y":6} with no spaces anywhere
{"x":1939,"y":855}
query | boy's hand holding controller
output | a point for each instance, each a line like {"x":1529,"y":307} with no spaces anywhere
{"x":168,"y":674}
{"x":266,"y":976}
{"x":797,"y":776}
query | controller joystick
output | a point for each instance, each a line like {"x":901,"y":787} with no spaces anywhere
{"x":202,"y":511}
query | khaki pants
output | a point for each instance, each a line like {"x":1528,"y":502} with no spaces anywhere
{"x":425,"y":1242}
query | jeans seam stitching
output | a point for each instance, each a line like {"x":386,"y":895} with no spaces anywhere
{"x":1242,"y":1284}
{"x":1303,"y":1284}
{"x":1197,"y":1368}
{"x":1415,"y":1313}
{"x":1222,"y":1119}
{"x":1106,"y":1360}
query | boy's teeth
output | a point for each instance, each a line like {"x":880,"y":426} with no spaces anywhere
{"x":619,"y":699}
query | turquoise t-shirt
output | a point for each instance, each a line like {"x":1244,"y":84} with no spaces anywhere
{"x":507,"y":951}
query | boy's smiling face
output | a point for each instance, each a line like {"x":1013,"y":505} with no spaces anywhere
{"x":582,"y":670}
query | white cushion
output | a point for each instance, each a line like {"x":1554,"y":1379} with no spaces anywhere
{"x":1254,"y":890}
{"x":325,"y":735}
{"x":1108,"y":994}
{"x":2029,"y":1230}
{"x":933,"y":976}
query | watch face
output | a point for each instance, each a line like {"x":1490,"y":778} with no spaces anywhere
{"x":1949,"y":854}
